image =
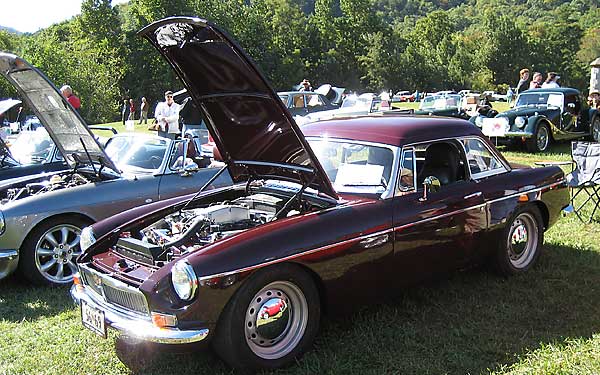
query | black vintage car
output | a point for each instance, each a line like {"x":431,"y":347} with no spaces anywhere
{"x":541,"y":116}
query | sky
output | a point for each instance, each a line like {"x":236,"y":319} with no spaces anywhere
{"x":32,"y":15}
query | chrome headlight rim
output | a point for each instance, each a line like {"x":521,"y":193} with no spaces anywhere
{"x":520,"y":121}
{"x":86,"y":238}
{"x":184,"y":280}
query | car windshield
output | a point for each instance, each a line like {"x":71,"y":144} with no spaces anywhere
{"x":32,"y":147}
{"x":354,"y":167}
{"x":136,"y":153}
{"x":539,"y":99}
{"x":356,"y":102}
{"x":440,"y":102}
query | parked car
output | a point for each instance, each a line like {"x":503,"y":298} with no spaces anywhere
{"x":41,"y":215}
{"x":316,"y":220}
{"x":301,"y":103}
{"x":542,"y":116}
{"x":442,"y":105}
{"x":404,"y":96}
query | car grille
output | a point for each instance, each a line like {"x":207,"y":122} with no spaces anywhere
{"x":114,"y":291}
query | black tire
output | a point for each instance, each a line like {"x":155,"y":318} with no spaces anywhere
{"x":38,"y":252}
{"x":540,"y":140}
{"x":595,"y":129}
{"x":245,"y":340}
{"x":513,"y":256}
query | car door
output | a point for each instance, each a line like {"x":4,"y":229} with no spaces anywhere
{"x":439,"y":232}
{"x":178,"y":179}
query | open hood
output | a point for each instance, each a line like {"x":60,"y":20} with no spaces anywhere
{"x":252,"y":129}
{"x":66,"y":128}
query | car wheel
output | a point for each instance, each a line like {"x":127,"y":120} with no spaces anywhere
{"x":49,"y":252}
{"x":595,"y":129}
{"x":540,"y":140}
{"x":246,"y":340}
{"x":521,"y":242}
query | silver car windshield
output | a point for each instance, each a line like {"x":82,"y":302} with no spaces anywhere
{"x":137,"y":153}
{"x":354,"y":167}
{"x":440,"y":102}
{"x":539,"y":99}
{"x":32,"y":147}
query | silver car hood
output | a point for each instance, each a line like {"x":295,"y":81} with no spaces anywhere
{"x":65,"y":126}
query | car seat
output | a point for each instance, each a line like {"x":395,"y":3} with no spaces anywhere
{"x":442,"y":161}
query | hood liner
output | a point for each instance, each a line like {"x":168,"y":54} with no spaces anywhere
{"x":64,"y":125}
{"x":251,"y":127}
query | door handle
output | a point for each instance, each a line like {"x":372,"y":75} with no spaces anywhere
{"x":477,"y":194}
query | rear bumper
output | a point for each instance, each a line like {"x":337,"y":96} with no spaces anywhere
{"x":135,"y":326}
{"x":9,"y":259}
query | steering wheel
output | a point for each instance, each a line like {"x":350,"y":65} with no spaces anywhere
{"x":156,"y":161}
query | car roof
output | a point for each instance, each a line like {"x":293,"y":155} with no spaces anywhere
{"x":561,"y":90}
{"x":395,"y":130}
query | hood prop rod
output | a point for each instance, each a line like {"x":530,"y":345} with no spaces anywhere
{"x":212,"y":179}
{"x":297,"y":196}
{"x":89,"y":157}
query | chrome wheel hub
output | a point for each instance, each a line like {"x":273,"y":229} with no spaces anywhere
{"x":56,"y":252}
{"x":522,"y":240}
{"x":276,"y":319}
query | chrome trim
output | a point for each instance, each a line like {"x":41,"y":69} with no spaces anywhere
{"x":478,"y":194}
{"x":8,"y":254}
{"x":389,"y":230}
{"x":134,"y":326}
{"x":517,"y":134}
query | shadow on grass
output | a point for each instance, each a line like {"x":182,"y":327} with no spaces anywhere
{"x":21,"y":301}
{"x":471,"y":322}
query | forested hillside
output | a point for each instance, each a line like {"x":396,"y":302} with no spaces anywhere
{"x":360,"y":44}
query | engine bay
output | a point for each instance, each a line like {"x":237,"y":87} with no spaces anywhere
{"x":58,"y":181}
{"x":191,"y":229}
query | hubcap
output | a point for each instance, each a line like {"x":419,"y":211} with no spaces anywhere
{"x":542,"y":138}
{"x":522,"y":240}
{"x":276,"y":319}
{"x":56,"y":251}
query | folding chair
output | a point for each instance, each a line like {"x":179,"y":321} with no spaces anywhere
{"x":584,"y":180}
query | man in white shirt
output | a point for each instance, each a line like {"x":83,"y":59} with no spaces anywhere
{"x":551,"y":81}
{"x":167,"y":116}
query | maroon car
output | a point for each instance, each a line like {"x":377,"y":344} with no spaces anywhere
{"x":346,"y":210}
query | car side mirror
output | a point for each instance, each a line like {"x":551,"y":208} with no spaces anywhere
{"x":431,"y":184}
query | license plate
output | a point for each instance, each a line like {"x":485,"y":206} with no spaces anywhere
{"x":494,"y":127}
{"x":93,"y":319}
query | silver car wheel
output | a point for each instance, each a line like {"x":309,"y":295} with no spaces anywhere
{"x":276,"y":320}
{"x":56,"y":251}
{"x":542,"y":138}
{"x":522,"y":241}
{"x":596,"y":129}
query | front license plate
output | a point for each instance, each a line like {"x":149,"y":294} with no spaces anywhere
{"x":492,"y":127}
{"x":93,"y":319}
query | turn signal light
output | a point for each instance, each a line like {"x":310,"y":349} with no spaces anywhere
{"x":523,"y":198}
{"x":164,"y":320}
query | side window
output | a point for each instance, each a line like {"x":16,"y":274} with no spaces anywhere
{"x":441,"y":160}
{"x":314,"y":101}
{"x":406,"y":179}
{"x":298,"y":101}
{"x":481,"y":161}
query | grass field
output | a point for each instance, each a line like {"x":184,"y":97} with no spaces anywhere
{"x":471,"y":322}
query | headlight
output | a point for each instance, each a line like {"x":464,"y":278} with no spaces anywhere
{"x":520,"y":121}
{"x":2,"y":224}
{"x":184,"y":280}
{"x":86,"y":238}
{"x":479,"y":121}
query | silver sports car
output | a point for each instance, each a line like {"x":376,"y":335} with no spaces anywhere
{"x":41,"y":216}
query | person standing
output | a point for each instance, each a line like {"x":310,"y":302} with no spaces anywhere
{"x":551,"y":81}
{"x":167,"y":116}
{"x":536,"y":81}
{"x":523,"y":81}
{"x":131,"y":110}
{"x":125,"y":111}
{"x":67,"y":92}
{"x":305,"y":85}
{"x":144,"y":111}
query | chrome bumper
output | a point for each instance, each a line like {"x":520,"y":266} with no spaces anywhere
{"x":9,"y":259}
{"x":135,"y":326}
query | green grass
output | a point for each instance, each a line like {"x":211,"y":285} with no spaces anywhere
{"x":473,"y":322}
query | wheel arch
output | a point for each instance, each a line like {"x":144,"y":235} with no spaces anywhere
{"x":43,"y":221}
{"x":541,"y":206}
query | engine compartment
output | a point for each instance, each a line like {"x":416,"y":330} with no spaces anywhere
{"x":43,"y":185}
{"x":191,"y":229}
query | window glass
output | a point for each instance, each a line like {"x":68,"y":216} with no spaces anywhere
{"x":481,"y":161}
{"x":127,"y":152}
{"x":314,"y":101}
{"x":406,"y":182}
{"x":298,"y":101}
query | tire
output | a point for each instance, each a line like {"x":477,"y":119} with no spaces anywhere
{"x":521,"y":243}
{"x":245,"y":340}
{"x":595,"y":129}
{"x":51,"y":242}
{"x":540,"y":140}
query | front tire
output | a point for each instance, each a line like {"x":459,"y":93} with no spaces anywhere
{"x":521,"y":242}
{"x":595,"y":129}
{"x":49,"y":252}
{"x":246,"y":340}
{"x":540,"y":140}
